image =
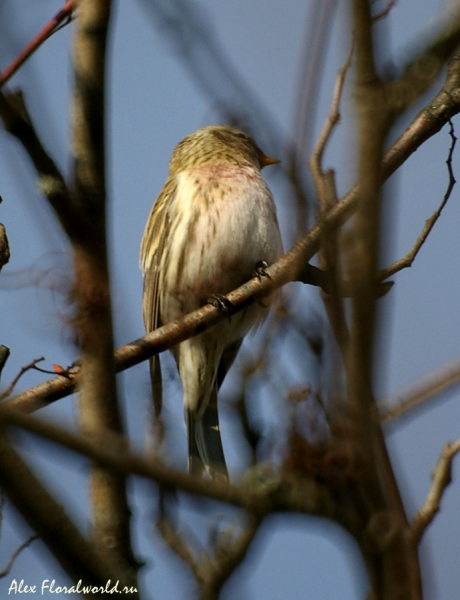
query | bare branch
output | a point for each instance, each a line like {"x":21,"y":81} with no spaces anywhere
{"x":17,"y":122}
{"x":305,"y":495}
{"x":421,"y":72}
{"x":406,"y":261}
{"x":4,"y":354}
{"x":178,"y":545}
{"x":49,"y":520}
{"x":327,"y":196}
{"x":308,"y":80}
{"x":211,"y":572}
{"x":23,"y":370}
{"x":442,"y":477}
{"x":16,"y":553}
{"x":4,"y":247}
{"x":97,"y":400}
{"x":381,"y":15}
{"x":228,"y":557}
{"x":64,"y":16}
{"x":332,"y":119}
{"x":420,"y":392}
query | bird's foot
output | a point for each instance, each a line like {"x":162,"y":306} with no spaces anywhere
{"x":223,"y":304}
{"x":260,"y":270}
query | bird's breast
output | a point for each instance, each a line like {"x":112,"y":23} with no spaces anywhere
{"x":223,"y":222}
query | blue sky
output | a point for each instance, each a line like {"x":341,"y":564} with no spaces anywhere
{"x":154,"y":102}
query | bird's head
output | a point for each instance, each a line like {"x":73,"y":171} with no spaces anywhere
{"x":217,"y":143}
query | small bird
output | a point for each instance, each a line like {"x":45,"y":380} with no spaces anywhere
{"x":213,"y":222}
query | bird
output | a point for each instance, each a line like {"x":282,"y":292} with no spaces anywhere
{"x":213,"y":222}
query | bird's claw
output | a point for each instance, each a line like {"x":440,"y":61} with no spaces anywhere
{"x":222,"y":303}
{"x":260,"y":270}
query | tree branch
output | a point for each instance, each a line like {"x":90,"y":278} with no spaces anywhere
{"x":98,"y":403}
{"x":4,"y":247}
{"x":15,"y":554}
{"x":420,"y":392}
{"x":109,"y":450}
{"x":406,"y":261}
{"x":442,"y":477}
{"x":17,"y":122}
{"x":48,"y":519}
{"x":65,"y":14}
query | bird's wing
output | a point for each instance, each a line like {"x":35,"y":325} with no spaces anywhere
{"x":152,"y":247}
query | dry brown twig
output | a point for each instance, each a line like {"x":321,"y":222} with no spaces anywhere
{"x":23,"y":370}
{"x":441,"y":478}
{"x":407,"y":260}
{"x":419,"y":392}
{"x":211,"y":571}
{"x":4,"y":247}
{"x":4,"y":354}
{"x":325,"y":186}
{"x":332,"y":119}
{"x":16,"y":553}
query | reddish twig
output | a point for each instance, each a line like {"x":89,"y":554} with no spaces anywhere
{"x":45,"y":33}
{"x":390,"y":4}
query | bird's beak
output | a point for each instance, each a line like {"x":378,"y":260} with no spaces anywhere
{"x":266,"y":161}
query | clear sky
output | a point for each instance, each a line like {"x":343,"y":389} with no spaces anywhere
{"x":155,"y":100}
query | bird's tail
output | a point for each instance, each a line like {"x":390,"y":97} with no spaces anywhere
{"x":205,"y":452}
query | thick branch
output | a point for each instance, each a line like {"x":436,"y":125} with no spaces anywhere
{"x":98,"y":404}
{"x":48,"y":519}
{"x":17,"y":122}
{"x":421,"y":72}
{"x":305,"y":495}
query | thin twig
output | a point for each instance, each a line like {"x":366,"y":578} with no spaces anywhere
{"x":178,"y":545}
{"x":54,"y":25}
{"x":327,"y":197}
{"x":4,"y":354}
{"x":406,"y":261}
{"x":390,"y":5}
{"x":16,"y":553}
{"x":332,"y":119}
{"x":10,"y":388}
{"x":228,"y":556}
{"x":4,"y":247}
{"x":442,"y":477}
{"x":420,"y":392}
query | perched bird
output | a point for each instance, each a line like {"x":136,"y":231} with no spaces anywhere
{"x":212,"y":223}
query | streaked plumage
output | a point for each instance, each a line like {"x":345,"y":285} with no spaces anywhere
{"x":213,"y":221}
